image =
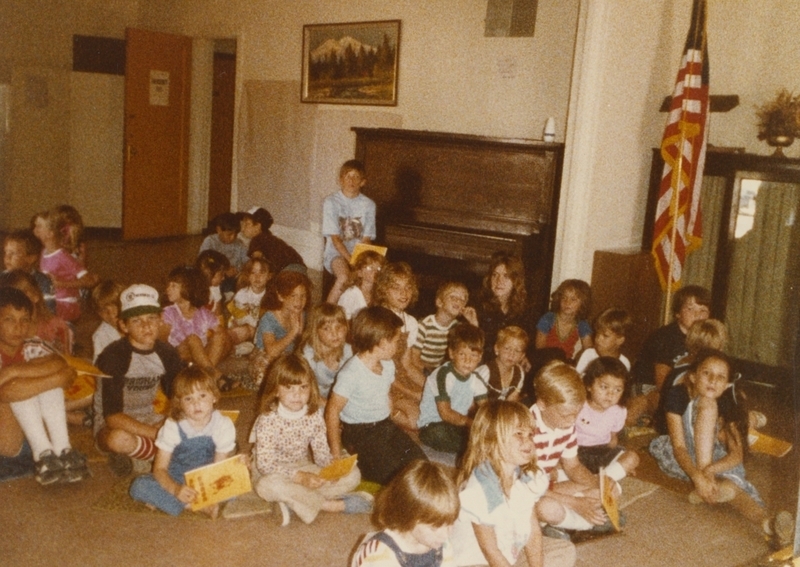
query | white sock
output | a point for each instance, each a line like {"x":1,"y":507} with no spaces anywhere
{"x":29,"y":416}
{"x":54,"y":415}
{"x":574,"y":521}
{"x":615,"y":471}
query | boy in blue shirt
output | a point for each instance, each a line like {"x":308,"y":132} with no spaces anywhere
{"x":348,"y":217}
{"x":452,"y":391}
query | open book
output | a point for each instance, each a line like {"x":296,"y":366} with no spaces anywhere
{"x":609,"y":499}
{"x":363,"y":247}
{"x":218,"y":482}
{"x":339,"y":468}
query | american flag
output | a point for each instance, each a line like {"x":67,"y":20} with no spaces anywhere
{"x":678,"y":224}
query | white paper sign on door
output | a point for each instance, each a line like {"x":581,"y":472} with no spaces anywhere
{"x":159,"y":88}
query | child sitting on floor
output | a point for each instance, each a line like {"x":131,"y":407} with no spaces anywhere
{"x":504,"y":376}
{"x":325,"y":345}
{"x":245,"y":308}
{"x":190,"y":327}
{"x":610,"y":329}
{"x":430,"y":348}
{"x":41,"y":417}
{"x":21,"y":251}
{"x":194,"y":435}
{"x":415,"y":513}
{"x":105,"y":297}
{"x":707,"y":441}
{"x":291,"y":423}
{"x":565,"y":327}
{"x":603,"y":417}
{"x":501,"y":483}
{"x":362,"y":281}
{"x":358,"y":408}
{"x":452,"y":392}
{"x":125,"y":420}
{"x":213,"y":265}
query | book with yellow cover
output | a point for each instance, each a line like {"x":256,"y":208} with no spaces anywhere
{"x":84,"y":384}
{"x":609,"y":499}
{"x":363,"y":247}
{"x":763,"y":443}
{"x":339,"y":468}
{"x":219,"y":481}
{"x":232,"y":414}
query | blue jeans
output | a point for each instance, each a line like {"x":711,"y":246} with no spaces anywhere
{"x":188,"y":455}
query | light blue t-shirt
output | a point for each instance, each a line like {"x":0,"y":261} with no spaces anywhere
{"x":367,"y":393}
{"x":351,"y":219}
{"x":446,"y":385}
{"x":269,"y":324}
{"x":325,"y":375}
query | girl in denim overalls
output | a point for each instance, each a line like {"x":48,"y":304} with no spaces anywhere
{"x":195,"y":435}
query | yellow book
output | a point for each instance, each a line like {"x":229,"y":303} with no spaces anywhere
{"x":363,"y":247}
{"x":84,"y":366}
{"x":763,"y":443}
{"x":233,"y":414}
{"x":218,"y":482}
{"x":609,"y":499}
{"x":339,"y":468}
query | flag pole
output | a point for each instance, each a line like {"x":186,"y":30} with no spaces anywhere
{"x":677,"y":174}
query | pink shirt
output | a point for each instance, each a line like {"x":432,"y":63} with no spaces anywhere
{"x":595,"y":427}
{"x":63,"y":266}
{"x":200,"y":324}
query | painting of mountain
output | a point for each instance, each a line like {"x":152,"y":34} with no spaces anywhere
{"x":354,"y":63}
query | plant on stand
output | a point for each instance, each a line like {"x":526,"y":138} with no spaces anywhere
{"x":779,"y":121}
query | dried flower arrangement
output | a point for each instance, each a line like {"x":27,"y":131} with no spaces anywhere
{"x":779,"y":117}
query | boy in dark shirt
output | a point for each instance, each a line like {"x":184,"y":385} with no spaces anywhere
{"x":126,"y":422}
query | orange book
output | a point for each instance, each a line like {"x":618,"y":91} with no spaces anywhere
{"x":363,"y":247}
{"x":339,"y":468}
{"x":218,"y":482}
{"x":609,"y":499}
{"x":763,"y":443}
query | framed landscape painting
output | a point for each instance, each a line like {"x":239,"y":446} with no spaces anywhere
{"x":351,"y":63}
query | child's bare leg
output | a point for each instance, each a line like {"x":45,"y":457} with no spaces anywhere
{"x":629,"y":461}
{"x":197,"y":353}
{"x":218,"y":347}
{"x":705,"y":431}
{"x":333,"y":506}
{"x":747,"y":507}
{"x":341,"y":270}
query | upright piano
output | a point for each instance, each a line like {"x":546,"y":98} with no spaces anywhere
{"x":447,"y":202}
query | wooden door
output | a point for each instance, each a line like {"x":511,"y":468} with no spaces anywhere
{"x":222,"y":106}
{"x":157,"y":105}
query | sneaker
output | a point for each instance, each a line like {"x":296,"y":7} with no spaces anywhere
{"x":49,"y":468}
{"x":782,"y":526}
{"x":121,"y":465}
{"x":555,"y":533}
{"x":286,"y":516}
{"x":756,"y":419}
{"x":75,"y":468}
{"x":357,"y":503}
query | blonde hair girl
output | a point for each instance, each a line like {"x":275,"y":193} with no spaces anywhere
{"x":500,"y":459}
{"x":324,"y":344}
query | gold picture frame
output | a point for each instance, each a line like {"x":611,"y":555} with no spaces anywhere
{"x":351,"y":63}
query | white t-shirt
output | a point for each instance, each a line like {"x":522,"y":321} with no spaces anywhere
{"x":219,"y":428}
{"x":483,"y":502}
{"x":352,"y":301}
{"x":103,"y":336}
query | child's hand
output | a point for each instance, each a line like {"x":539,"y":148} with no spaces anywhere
{"x":295,"y":324}
{"x":186,"y":494}
{"x":591,"y":509}
{"x":244,"y":458}
{"x":470,"y":315}
{"x":706,"y":487}
{"x":309,"y":480}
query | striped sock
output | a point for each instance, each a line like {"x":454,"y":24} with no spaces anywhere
{"x":145,"y":449}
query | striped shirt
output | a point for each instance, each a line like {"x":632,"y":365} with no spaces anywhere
{"x":432,"y":341}
{"x":552,"y":444}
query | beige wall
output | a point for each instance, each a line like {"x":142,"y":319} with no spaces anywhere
{"x":450,"y":79}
